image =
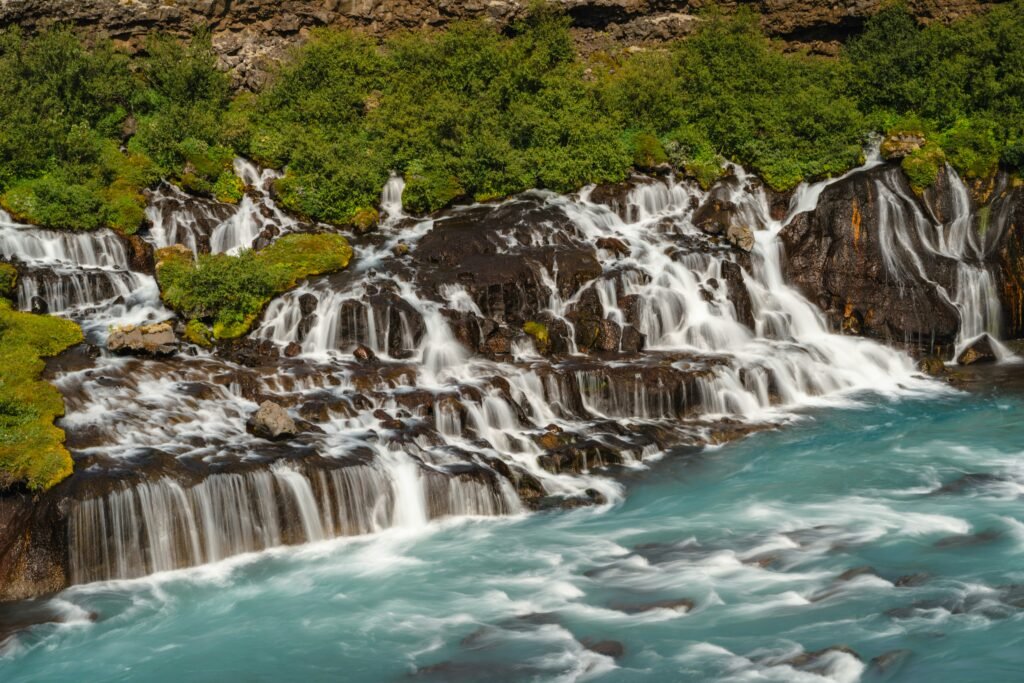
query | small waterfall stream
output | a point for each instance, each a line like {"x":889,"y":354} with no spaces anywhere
{"x":655,"y":334}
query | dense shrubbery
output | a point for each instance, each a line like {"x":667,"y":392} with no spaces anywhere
{"x":964,"y":83}
{"x":31,"y":447}
{"x":229,"y":292}
{"x":467,"y":113}
{"x":68,"y":111}
{"x":474,"y":113}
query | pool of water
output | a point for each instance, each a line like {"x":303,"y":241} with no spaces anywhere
{"x":892,"y":533}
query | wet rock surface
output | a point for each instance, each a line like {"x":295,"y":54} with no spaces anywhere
{"x":156,"y":339}
{"x":857,"y":256}
{"x":272,"y":422}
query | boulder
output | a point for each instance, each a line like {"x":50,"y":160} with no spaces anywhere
{"x":902,"y":143}
{"x":608,"y":648}
{"x":272,"y":422}
{"x":981,"y":350}
{"x":741,"y":237}
{"x":157,"y":339}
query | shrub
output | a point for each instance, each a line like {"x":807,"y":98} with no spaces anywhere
{"x":230,"y":292}
{"x":8,"y":279}
{"x":922,"y":166}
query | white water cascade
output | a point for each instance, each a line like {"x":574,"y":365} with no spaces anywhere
{"x":647,"y":333}
{"x":203,"y":225}
{"x":964,"y":236}
{"x":85,"y":276}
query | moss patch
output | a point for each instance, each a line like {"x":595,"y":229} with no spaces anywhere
{"x":539,"y":331}
{"x":923,"y":165}
{"x":228,"y":293}
{"x":8,"y":279}
{"x":31,"y":446}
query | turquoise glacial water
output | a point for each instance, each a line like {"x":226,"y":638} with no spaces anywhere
{"x":833,"y":531}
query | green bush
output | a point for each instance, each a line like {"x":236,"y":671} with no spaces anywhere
{"x":922,"y":167}
{"x":67,"y":111}
{"x":230,"y":292}
{"x":8,"y":279}
{"x":964,"y":82}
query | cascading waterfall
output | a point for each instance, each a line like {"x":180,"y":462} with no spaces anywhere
{"x":429,"y":428}
{"x":904,"y":225}
{"x":160,"y":525}
{"x":85,"y":276}
{"x":177,"y":218}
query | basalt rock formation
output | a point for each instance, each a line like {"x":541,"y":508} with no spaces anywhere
{"x":928,"y":272}
{"x":249,"y":35}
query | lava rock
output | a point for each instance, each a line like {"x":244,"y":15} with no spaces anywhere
{"x":608,"y":648}
{"x":271,"y":422}
{"x":157,"y":339}
{"x":981,"y":350}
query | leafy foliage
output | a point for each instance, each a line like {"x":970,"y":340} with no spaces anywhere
{"x":964,"y":81}
{"x":68,"y":111}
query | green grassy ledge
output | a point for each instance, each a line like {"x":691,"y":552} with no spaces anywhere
{"x":31,"y":446}
{"x":222,"y":295}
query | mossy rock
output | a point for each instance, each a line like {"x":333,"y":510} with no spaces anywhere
{"x":224,"y":295}
{"x":31,"y":446}
{"x":539,"y":332}
{"x":898,"y":144}
{"x":365,"y":220}
{"x":922,"y":166}
{"x":8,"y":279}
{"x":199,"y":333}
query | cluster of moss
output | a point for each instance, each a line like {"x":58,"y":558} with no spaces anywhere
{"x":31,"y":446}
{"x":222,"y":296}
{"x":85,"y":131}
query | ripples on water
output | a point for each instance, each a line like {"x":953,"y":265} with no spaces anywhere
{"x":892,"y":531}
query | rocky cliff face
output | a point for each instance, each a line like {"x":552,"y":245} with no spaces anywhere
{"x":250,"y":35}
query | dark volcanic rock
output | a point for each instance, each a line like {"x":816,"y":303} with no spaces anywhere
{"x":981,"y":350}
{"x":608,"y":648}
{"x":250,"y":352}
{"x":843,"y":256}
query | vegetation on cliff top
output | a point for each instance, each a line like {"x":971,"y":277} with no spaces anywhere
{"x":474,"y":113}
{"x":31,"y":446}
{"x":222,"y":295}
{"x":85,"y":131}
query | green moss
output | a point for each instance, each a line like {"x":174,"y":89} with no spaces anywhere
{"x":8,"y":279}
{"x":198,"y":333}
{"x":922,"y":167}
{"x":365,"y":219}
{"x":31,"y":447}
{"x":539,"y":331}
{"x":228,"y":188}
{"x":229,"y":292}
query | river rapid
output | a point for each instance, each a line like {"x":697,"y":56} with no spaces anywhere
{"x":889,"y":530}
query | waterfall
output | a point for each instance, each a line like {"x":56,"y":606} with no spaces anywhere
{"x":84,"y":276}
{"x":202,"y":225}
{"x":906,"y":230}
{"x":161,"y":525}
{"x":657,"y":334}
